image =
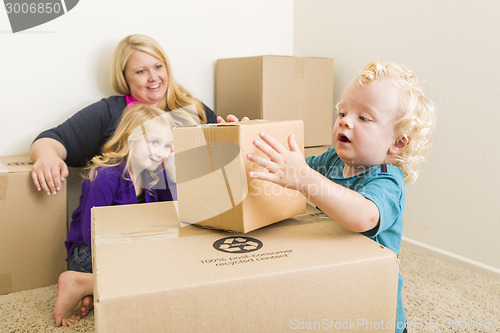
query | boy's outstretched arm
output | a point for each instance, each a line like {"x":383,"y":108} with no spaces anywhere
{"x":289,"y":169}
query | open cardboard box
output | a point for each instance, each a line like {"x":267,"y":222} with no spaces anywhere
{"x":150,"y":275}
{"x":213,"y":186}
{"x":32,"y":229}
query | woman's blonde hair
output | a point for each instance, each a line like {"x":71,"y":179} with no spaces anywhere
{"x":416,"y":119}
{"x":130,"y":129}
{"x":176,"y":96}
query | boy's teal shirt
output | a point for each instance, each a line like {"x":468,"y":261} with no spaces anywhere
{"x":384,"y":186}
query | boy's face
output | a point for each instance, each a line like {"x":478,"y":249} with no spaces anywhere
{"x":157,"y":145}
{"x":364,"y":133}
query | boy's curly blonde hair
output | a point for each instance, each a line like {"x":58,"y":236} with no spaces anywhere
{"x":416,"y":118}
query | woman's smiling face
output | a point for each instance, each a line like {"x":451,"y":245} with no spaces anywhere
{"x":146,"y":77}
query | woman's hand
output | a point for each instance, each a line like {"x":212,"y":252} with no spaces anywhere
{"x":49,"y":169}
{"x":231,"y":119}
{"x":286,"y":167}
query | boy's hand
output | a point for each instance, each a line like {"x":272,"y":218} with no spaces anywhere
{"x":287,"y":168}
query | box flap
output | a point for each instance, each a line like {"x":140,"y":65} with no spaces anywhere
{"x":151,"y":218}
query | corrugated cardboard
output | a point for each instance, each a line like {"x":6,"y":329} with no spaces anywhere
{"x":279,"y":88}
{"x":151,"y":276}
{"x":213,"y":186}
{"x":32,"y":229}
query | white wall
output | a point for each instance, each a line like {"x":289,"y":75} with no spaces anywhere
{"x":454,"y":48}
{"x":51,"y":71}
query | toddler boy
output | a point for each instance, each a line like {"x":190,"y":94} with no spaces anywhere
{"x":380,"y":139}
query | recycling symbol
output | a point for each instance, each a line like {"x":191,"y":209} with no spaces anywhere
{"x":237,"y":244}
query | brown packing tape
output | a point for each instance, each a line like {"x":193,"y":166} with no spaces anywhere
{"x":4,"y":183}
{"x":5,"y":283}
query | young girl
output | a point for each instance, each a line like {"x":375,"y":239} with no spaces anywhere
{"x":130,"y":170}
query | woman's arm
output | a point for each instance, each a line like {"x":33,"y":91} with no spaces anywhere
{"x":74,"y":142}
{"x":49,"y":169}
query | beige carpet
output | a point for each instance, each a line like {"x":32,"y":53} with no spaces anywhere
{"x":438,"y":297}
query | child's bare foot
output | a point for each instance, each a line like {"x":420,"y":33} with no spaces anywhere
{"x":72,"y":286}
{"x":86,"y":306}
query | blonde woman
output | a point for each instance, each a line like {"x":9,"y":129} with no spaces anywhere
{"x":379,"y":142}
{"x":130,"y":170}
{"x":141,"y":74}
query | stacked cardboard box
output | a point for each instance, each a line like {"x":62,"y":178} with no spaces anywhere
{"x":304,"y":273}
{"x":32,"y":229}
{"x":279,"y":88}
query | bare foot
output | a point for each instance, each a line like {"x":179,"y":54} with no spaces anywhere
{"x":72,"y":287}
{"x":86,"y":306}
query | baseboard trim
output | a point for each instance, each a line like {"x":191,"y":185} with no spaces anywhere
{"x":452,"y":258}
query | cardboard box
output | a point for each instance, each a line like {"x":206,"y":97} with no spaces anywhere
{"x":279,"y":88}
{"x":315,"y":151}
{"x":151,"y":276}
{"x":213,"y":186}
{"x":32,"y":229}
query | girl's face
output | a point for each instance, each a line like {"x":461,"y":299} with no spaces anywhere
{"x":146,"y":77}
{"x":156,"y":146}
{"x":364,"y":133}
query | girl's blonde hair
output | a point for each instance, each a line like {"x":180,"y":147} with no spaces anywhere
{"x":176,"y":96}
{"x":130,"y":128}
{"x":416,"y":118}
